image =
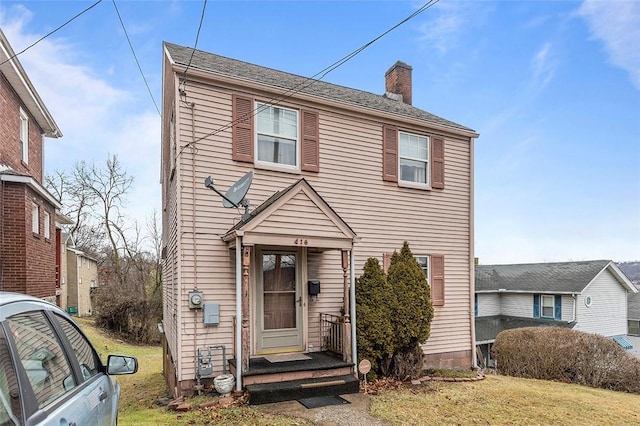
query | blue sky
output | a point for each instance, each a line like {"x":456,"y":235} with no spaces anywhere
{"x":553,"y":88}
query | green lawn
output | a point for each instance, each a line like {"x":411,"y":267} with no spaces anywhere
{"x":497,"y":400}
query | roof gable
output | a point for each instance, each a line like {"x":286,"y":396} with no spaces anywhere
{"x":563,"y":277}
{"x":297,"y":215}
{"x":291,"y":83}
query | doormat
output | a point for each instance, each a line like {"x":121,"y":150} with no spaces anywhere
{"x":286,"y":357}
{"x":323,"y":401}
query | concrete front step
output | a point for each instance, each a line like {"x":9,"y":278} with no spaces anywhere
{"x":266,"y":393}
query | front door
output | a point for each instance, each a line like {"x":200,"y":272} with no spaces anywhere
{"x":279,"y":310}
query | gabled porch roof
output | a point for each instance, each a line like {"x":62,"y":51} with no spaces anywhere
{"x":295,"y":216}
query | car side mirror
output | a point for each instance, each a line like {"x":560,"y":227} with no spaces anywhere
{"x":120,"y":364}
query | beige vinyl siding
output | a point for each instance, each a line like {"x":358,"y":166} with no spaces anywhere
{"x":382,"y":214}
{"x":607,"y":314}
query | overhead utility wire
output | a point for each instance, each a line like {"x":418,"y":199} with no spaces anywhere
{"x":136,"y":57}
{"x":195,"y":45}
{"x":47,"y":35}
{"x":308,"y":81}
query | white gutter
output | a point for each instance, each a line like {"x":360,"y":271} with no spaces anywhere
{"x":238,"y":314}
{"x":33,"y":184}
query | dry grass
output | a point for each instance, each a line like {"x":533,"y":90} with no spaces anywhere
{"x":497,"y":400}
{"x":501,"y":400}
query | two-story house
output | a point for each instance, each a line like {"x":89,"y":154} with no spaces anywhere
{"x":28,"y":211}
{"x":338,"y":175}
{"x":589,"y":296}
{"x":79,"y":278}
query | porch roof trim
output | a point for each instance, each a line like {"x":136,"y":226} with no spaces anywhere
{"x":254,"y":229}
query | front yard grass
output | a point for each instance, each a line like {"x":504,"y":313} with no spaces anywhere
{"x":497,"y":400}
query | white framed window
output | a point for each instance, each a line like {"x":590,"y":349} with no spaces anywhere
{"x":547,"y":302}
{"x":24,"y":136}
{"x":423,"y":261}
{"x":277,"y":141}
{"x":413,"y":158}
{"x":35,"y":218}
{"x":47,"y":225}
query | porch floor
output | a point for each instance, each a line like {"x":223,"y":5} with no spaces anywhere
{"x":318,"y":361}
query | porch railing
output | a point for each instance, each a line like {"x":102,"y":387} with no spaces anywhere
{"x":331,"y":333}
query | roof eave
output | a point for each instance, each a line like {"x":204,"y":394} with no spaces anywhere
{"x":252,"y":84}
{"x":33,"y":184}
{"x":19,"y":80}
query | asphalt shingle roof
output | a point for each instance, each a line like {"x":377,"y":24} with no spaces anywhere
{"x":290,"y":82}
{"x":487,"y":328}
{"x":564,"y":277}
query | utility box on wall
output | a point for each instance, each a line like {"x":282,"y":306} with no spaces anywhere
{"x":211,"y":313}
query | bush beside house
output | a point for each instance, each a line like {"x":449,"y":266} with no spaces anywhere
{"x":554,"y":353}
{"x":394,"y":315}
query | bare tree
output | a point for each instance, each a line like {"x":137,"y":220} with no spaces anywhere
{"x":107,"y":189}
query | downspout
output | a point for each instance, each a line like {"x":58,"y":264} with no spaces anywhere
{"x":575,"y":307}
{"x":472,"y":262}
{"x":238,"y":347}
{"x":352,"y":310}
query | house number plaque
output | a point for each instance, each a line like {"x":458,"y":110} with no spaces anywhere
{"x":301,"y":242}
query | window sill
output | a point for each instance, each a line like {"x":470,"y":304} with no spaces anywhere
{"x":414,"y":185}
{"x":276,"y":168}
{"x":35,"y":235}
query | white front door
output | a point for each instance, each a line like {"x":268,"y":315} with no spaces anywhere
{"x":279,"y":299}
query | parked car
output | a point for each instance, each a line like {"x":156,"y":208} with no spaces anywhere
{"x":50,"y":374}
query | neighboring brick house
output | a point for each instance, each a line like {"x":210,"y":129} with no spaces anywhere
{"x":589,"y":296}
{"x":339,"y":175}
{"x":28,"y":239}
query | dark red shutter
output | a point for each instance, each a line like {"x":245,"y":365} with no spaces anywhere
{"x":437,"y":279}
{"x":310,"y":141}
{"x":242,"y":139}
{"x":437,"y":162}
{"x":390,"y":153}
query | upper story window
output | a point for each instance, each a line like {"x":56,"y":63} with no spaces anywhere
{"x":414,"y":158}
{"x":277,"y":135}
{"x":47,"y":225}
{"x":24,"y":136}
{"x":35,"y":218}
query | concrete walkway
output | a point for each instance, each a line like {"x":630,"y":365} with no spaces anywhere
{"x":354,"y":414}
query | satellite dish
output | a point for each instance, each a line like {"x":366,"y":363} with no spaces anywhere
{"x":235,"y":195}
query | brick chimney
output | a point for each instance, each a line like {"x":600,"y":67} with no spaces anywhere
{"x":398,"y":82}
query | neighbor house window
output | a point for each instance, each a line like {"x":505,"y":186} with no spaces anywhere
{"x":547,"y":306}
{"x":277,"y":135}
{"x":46,"y":224}
{"x":414,"y":158}
{"x":24,"y":136}
{"x":35,"y":218}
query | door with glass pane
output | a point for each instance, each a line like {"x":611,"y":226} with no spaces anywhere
{"x":279,"y":310}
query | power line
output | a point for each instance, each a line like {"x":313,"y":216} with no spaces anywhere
{"x":50,"y":33}
{"x":307,"y":82}
{"x":195,"y":45}
{"x":136,"y":57}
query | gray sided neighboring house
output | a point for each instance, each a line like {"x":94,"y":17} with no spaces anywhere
{"x":588,"y":296}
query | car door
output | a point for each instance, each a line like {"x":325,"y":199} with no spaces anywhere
{"x":98,"y":388}
{"x":54,"y":391}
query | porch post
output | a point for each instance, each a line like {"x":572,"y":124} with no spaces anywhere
{"x":354,"y":341}
{"x":246,"y":262}
{"x":238,"y":324}
{"x":346,"y":332}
